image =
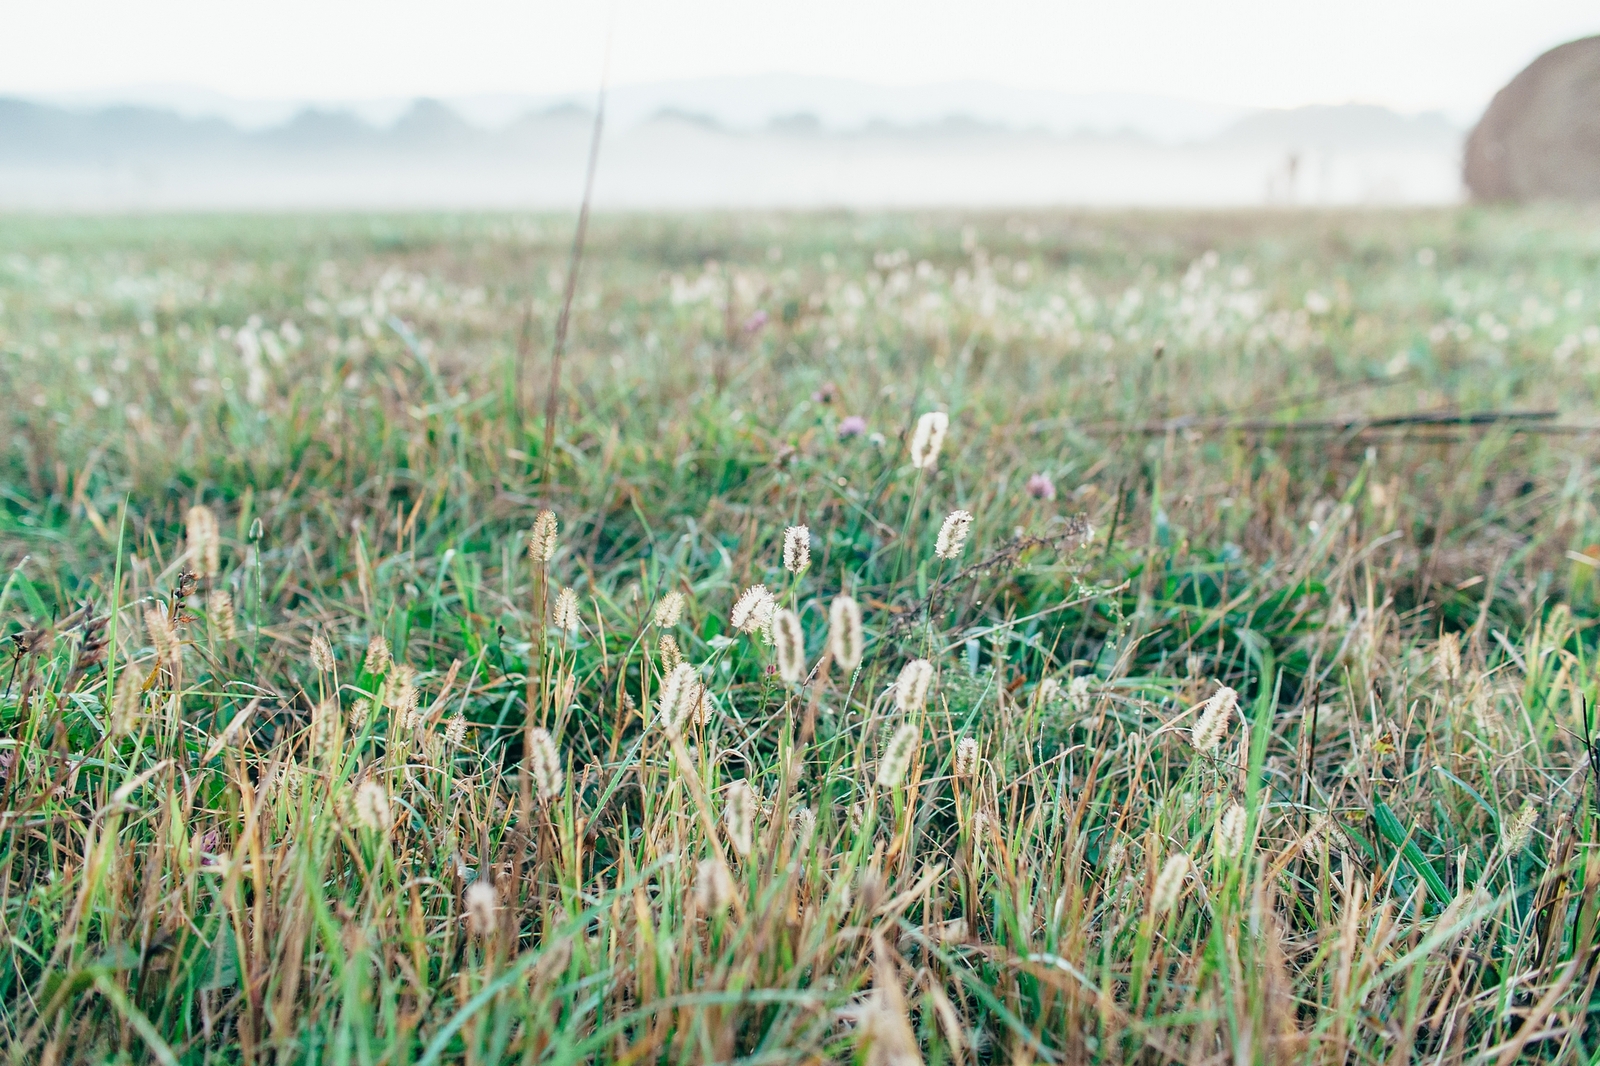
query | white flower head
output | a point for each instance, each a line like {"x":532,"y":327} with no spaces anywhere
{"x":928,"y":439}
{"x":204,"y":540}
{"x":897,"y":755}
{"x":681,"y":697}
{"x":1214,"y":718}
{"x":713,"y":886}
{"x":1520,"y":829}
{"x":1229,"y":837}
{"x":671,"y":654}
{"x":378,"y":658}
{"x":753,"y":610}
{"x":219,"y":606}
{"x":796,"y":549}
{"x":1169,"y":883}
{"x":482,"y":903}
{"x":790,"y":640}
{"x":321,"y":654}
{"x":802,"y":823}
{"x":566,"y":612}
{"x":669,"y":611}
{"x":966,"y":757}
{"x":1079,"y":693}
{"x":844,"y":632}
{"x":372,"y":806}
{"x":911,"y":687}
{"x":544,"y":760}
{"x":163,"y":634}
{"x":953,"y":534}
{"x":542,"y":541}
{"x":739,"y":814}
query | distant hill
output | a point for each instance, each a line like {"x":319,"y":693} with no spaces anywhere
{"x":745,"y":103}
{"x":32,"y":132}
{"x":431,"y":155}
{"x":1349,"y":127}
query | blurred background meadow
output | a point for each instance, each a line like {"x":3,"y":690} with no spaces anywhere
{"x":963,"y":623}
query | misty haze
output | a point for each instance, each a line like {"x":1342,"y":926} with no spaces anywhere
{"x":757,"y":142}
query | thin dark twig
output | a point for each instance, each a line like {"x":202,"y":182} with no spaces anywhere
{"x":1329,"y":392}
{"x":1523,"y":420}
{"x":1116,"y":516}
{"x":1592,"y":750}
{"x":552,"y":399}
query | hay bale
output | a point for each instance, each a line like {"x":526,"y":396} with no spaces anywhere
{"x":1540,"y":137}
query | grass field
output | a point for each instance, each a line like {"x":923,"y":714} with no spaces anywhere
{"x":1251,"y":728}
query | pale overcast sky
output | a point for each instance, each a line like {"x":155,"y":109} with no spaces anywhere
{"x":1408,"y":54}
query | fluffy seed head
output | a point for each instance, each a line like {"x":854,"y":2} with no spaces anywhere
{"x":456,"y":731}
{"x":669,"y":610}
{"x":966,"y":757}
{"x":679,"y":695}
{"x":321,"y":654}
{"x":713,"y":886}
{"x":671,"y":656}
{"x":544,"y":760}
{"x":372,"y":807}
{"x":698,"y":702}
{"x":753,"y":609}
{"x":1229,"y":838}
{"x":897,"y":756}
{"x":884,"y":1036}
{"x":163,"y":635}
{"x":911,"y":687}
{"x":1049,"y":690}
{"x":542,"y":541}
{"x":324,"y":731}
{"x":739,"y":816}
{"x":802,"y":823}
{"x":1448,"y":659}
{"x":482,"y":904}
{"x":1323,"y":830}
{"x":219,"y":606}
{"x":1116,"y":855}
{"x":204,"y":540}
{"x":377,"y":660}
{"x":359,"y":710}
{"x":1520,"y":831}
{"x":796,"y":549}
{"x":1078,"y":693}
{"x":844,"y":632}
{"x":1169,"y":883}
{"x":1214,"y":718}
{"x":791,"y":643}
{"x":128,"y":700}
{"x":566,"y":613}
{"x":928,"y":439}
{"x":400,"y":693}
{"x":953,"y":534}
